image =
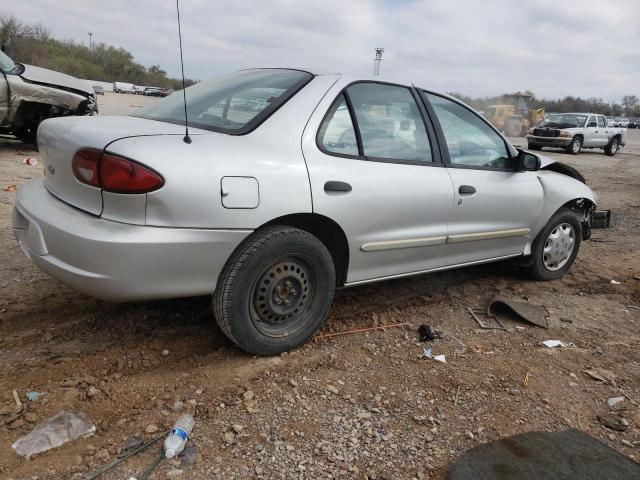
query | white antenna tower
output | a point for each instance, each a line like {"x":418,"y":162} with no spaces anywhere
{"x":376,"y":63}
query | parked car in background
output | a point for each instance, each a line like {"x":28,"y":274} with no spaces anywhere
{"x":153,"y":92}
{"x":123,"y":87}
{"x":31,"y":94}
{"x":98,"y":89}
{"x":624,"y":123}
{"x":292,"y":184}
{"x":575,"y":131}
{"x":611,"y":122}
{"x":634,"y":123}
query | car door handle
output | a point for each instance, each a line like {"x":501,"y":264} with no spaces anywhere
{"x":336,"y":186}
{"x":466,"y":190}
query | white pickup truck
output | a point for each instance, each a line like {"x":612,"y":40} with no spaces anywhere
{"x":575,"y":131}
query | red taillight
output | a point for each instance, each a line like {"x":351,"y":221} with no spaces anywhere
{"x":114,"y":174}
{"x":85,"y":166}
{"x":124,"y":176}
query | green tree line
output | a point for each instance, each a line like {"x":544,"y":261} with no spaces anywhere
{"x":34,"y":44}
{"x":628,"y":106}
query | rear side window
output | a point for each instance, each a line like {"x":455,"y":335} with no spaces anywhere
{"x":337,"y":134}
{"x":470,"y":141}
{"x":236,"y":103}
{"x":389,"y":122}
{"x":602,"y":122}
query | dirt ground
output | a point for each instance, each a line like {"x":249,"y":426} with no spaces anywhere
{"x":362,"y":406}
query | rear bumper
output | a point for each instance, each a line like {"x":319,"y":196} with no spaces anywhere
{"x":549,"y":141}
{"x":116,"y":261}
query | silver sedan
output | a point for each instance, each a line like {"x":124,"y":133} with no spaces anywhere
{"x":289,"y":185}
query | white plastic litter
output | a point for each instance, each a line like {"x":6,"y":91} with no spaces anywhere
{"x":615,"y":282}
{"x":53,"y":432}
{"x":426,"y":352}
{"x":553,"y":343}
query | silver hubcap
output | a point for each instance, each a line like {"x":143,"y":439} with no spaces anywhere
{"x":559,"y":247}
{"x":614,"y":147}
{"x":576,"y":146}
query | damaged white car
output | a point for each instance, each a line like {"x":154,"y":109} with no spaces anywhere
{"x":29,"y":95}
{"x":290,"y":185}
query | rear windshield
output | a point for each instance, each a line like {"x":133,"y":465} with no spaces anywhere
{"x":236,"y":103}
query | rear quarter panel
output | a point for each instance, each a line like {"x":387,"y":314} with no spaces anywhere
{"x":272,"y":154}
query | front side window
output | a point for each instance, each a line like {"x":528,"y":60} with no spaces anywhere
{"x":389,"y":122}
{"x":470,"y":140}
{"x":592,"y":122}
{"x":337,"y":134}
{"x":235,"y":103}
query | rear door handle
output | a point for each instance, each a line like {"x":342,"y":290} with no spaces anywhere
{"x":466,"y":190}
{"x":336,"y":186}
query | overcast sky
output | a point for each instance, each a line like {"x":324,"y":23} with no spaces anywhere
{"x":588,"y":48}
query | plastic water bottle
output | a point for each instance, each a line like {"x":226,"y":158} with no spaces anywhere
{"x":177,"y":438}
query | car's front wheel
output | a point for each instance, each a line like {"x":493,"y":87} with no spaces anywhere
{"x":275,"y":291}
{"x":556,"y":246}
{"x":575,"y":146}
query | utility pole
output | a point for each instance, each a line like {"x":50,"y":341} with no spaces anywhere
{"x":90,"y":43}
{"x":376,"y":63}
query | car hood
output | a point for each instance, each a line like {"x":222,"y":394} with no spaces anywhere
{"x":56,"y":79}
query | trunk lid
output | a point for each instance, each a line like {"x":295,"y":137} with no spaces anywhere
{"x":60,"y":138}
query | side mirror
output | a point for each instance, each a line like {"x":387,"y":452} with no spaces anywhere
{"x":527,"y":162}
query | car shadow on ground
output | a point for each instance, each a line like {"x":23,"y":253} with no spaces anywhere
{"x":188,"y":323}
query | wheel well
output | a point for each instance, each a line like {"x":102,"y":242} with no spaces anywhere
{"x":328,"y":232}
{"x":580,"y":136}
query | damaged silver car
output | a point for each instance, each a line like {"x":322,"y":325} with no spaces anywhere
{"x":291,"y":184}
{"x":29,"y":95}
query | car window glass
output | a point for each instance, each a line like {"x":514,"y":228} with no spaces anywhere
{"x":389,"y":122}
{"x":234,"y":103}
{"x":601,"y":121}
{"x":337,"y":134}
{"x":469,"y":139}
{"x":592,"y":122}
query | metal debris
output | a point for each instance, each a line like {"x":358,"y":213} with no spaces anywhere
{"x":490,"y":323}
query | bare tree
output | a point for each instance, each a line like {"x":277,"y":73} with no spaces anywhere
{"x":12,"y":31}
{"x":40,"y":32}
{"x":628,"y":102}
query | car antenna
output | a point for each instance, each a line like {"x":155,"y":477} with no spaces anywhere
{"x":187,"y":138}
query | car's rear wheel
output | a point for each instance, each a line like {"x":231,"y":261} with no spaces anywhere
{"x":575,"y":146}
{"x":275,"y":291}
{"x":612,"y":147}
{"x":556,"y":246}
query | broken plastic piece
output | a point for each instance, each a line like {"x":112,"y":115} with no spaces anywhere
{"x":33,"y":396}
{"x":553,"y":343}
{"x":31,"y":161}
{"x":53,"y":432}
{"x":615,"y":282}
{"x":528,"y":312}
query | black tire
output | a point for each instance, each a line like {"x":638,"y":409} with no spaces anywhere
{"x":275,"y":264}
{"x":575,"y":146}
{"x":612,"y":147}
{"x":534,"y":147}
{"x":512,"y":127}
{"x":537,"y":267}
